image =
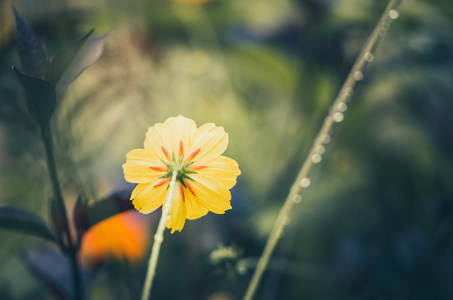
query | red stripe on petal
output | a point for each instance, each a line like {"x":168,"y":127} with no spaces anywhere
{"x":159,"y":169}
{"x":166,"y":153}
{"x":195,"y":168}
{"x":195,"y":153}
{"x":181,"y":148}
{"x":162,"y":182}
{"x":181,"y":191}
{"x":190,"y":189}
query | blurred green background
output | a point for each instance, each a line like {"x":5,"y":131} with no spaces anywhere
{"x":377,"y":220}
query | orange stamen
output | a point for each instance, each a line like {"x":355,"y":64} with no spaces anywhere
{"x":181,"y":190}
{"x":166,"y":153}
{"x":190,"y":189}
{"x":195,"y":153}
{"x":162,"y":182}
{"x":159,"y":169}
{"x":194,"y":168}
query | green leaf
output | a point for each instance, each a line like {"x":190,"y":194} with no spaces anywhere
{"x":29,"y":47}
{"x":19,"y":219}
{"x":104,"y":209}
{"x":41,"y":96}
{"x":64,"y":58}
{"x":90,"y":51}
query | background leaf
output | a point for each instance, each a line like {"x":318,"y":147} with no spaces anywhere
{"x":267,"y":71}
{"x":41,"y":96}
{"x":16,"y":218}
{"x":90,"y":51}
{"x":29,"y":47}
{"x":54,"y":269}
{"x":64,"y":58}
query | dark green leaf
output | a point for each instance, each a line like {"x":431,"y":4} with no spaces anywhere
{"x":106,"y":208}
{"x":64,"y":58}
{"x":29,"y":47}
{"x":90,"y":51}
{"x":41,"y":97}
{"x":16,"y":218}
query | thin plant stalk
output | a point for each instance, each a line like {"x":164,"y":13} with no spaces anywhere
{"x":158,"y":239}
{"x":317,"y":149}
{"x":46,"y":134}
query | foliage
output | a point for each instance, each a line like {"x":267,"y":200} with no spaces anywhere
{"x":376,"y":220}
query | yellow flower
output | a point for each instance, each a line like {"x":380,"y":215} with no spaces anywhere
{"x":204,"y":176}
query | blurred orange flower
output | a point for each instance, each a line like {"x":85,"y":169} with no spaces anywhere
{"x":204,"y":176}
{"x":121,"y":237}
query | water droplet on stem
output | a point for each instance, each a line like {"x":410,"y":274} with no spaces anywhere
{"x":342,"y":107}
{"x":393,"y":14}
{"x":338,"y":117}
{"x":316,"y":158}
{"x":320,"y":149}
{"x":305,"y":182}
{"x":297,"y":199}
{"x":326,"y":139}
{"x":369,"y":57}
{"x":358,"y":75}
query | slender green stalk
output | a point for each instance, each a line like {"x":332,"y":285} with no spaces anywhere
{"x":46,"y":133}
{"x":158,"y":239}
{"x":317,"y":149}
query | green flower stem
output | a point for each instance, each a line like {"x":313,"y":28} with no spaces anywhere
{"x":158,"y":239}
{"x":46,"y":133}
{"x":356,"y":74}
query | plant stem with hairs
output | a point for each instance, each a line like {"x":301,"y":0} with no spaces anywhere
{"x":158,"y":239}
{"x":46,"y":134}
{"x":317,"y":149}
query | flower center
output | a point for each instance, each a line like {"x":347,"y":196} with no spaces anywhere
{"x":181,"y":169}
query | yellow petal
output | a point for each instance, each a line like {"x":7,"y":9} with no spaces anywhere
{"x":211,"y":194}
{"x":182,"y":129}
{"x":158,"y":139}
{"x":210,"y":140}
{"x":177,"y":212}
{"x":223,"y":168}
{"x":143,"y":166}
{"x":194,"y":209}
{"x":147,"y":198}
